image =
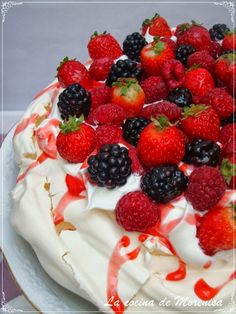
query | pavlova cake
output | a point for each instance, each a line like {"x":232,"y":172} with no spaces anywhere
{"x":127,"y":171}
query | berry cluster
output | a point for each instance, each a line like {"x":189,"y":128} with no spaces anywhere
{"x":156,"y":108}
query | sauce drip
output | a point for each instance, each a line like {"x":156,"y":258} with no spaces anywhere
{"x":25,"y":123}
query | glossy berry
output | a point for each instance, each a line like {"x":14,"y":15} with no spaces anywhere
{"x":182,"y":52}
{"x":100,"y":68}
{"x":110,"y":167}
{"x":107,"y":134}
{"x":133,"y":45}
{"x":230,"y":119}
{"x":74,"y":101}
{"x":164,"y":107}
{"x":154,"y":88}
{"x":132,"y":129}
{"x":202,"y":152}
{"x":173,"y":73}
{"x":180,"y":96}
{"x":217,"y":32}
{"x":123,"y":69}
{"x":107,"y":114}
{"x":164,"y":183}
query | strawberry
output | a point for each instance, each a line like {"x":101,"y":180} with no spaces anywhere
{"x":160,"y":143}
{"x":154,"y":55}
{"x":157,"y":25}
{"x":100,"y":68}
{"x":217,"y":230}
{"x":103,"y":45}
{"x":229,"y":41}
{"x":75,"y":141}
{"x":224,"y":68}
{"x":228,"y":170}
{"x":198,"y":81}
{"x":129,"y":95}
{"x":194,"y":35}
{"x":200,"y":121}
{"x":72,"y":71}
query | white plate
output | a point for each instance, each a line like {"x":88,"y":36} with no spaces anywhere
{"x":41,"y":290}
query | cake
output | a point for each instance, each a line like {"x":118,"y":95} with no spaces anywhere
{"x":125,"y":189}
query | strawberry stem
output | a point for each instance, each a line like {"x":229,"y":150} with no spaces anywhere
{"x":159,"y":46}
{"x":64,"y":60}
{"x":228,"y":170}
{"x":161,"y":122}
{"x":193,"y":110}
{"x":71,"y":125}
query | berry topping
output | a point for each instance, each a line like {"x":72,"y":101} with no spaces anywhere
{"x":180,"y":96}
{"x":129,"y":95}
{"x":100,"y":95}
{"x":228,"y":170}
{"x":107,"y":114}
{"x":132,"y":129}
{"x":215,"y":49}
{"x":160,"y":143}
{"x":182,"y":52}
{"x":224,"y":67}
{"x":154,"y":55}
{"x":217,"y":230}
{"x":136,"y":165}
{"x":227,"y":134}
{"x":221,"y":101}
{"x":205,"y":188}
{"x":173,"y":73}
{"x":203,"y":59}
{"x":229,"y":120}
{"x":73,"y":71}
{"x":157,"y":25}
{"x":166,"y":108}
{"x":133,"y":45}
{"x":164,"y":183}
{"x":75,"y":141}
{"x":154,"y":88}
{"x":218,"y":31}
{"x":200,"y":152}
{"x":136,"y":212}
{"x":110,"y":167}
{"x":103,"y":45}
{"x":107,"y":134}
{"x":100,"y":68}
{"x":124,"y":69}
{"x":229,"y":41}
{"x":74,"y":101}
{"x":200,"y":122}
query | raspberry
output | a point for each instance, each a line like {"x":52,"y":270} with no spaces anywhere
{"x":136,"y":212}
{"x":169,"y":109}
{"x":203,"y":59}
{"x":100,"y":95}
{"x":220,"y":100}
{"x":100,"y":68}
{"x":154,"y":88}
{"x":136,"y":165}
{"x":206,"y":187}
{"x":227,"y":134}
{"x":107,"y":134}
{"x":229,"y":149}
{"x":107,"y":114}
{"x":173,"y":73}
{"x":215,"y":49}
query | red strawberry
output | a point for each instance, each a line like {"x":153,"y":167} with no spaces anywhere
{"x":72,"y":71}
{"x":199,"y":81}
{"x":154,"y":88}
{"x":203,"y":59}
{"x":215,"y":49}
{"x":158,"y":26}
{"x":129,"y":95}
{"x":154,"y":55}
{"x":217,"y":230}
{"x":104,"y":45}
{"x":228,"y":170}
{"x":200,"y":122}
{"x":169,"y":42}
{"x":100,"y":68}
{"x":229,"y":41}
{"x":194,"y":35}
{"x":224,"y":68}
{"x":160,"y":143}
{"x":75,"y":140}
{"x":220,"y":100}
{"x":173,"y":73}
{"x":227,"y":134}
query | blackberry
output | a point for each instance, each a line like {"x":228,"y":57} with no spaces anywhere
{"x":182,"y":52}
{"x":123,"y":68}
{"x":180,"y":96}
{"x":74,"y":101}
{"x":202,"y":152}
{"x":132,"y":129}
{"x":110,"y":167}
{"x":230,"y":119}
{"x":217,"y":32}
{"x":133,"y":45}
{"x":164,"y":183}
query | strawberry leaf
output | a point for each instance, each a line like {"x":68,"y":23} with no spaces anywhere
{"x":71,"y":125}
{"x":159,"y":47}
{"x":193,"y":110}
{"x":161,"y":122}
{"x":65,"y":59}
{"x":228,"y":170}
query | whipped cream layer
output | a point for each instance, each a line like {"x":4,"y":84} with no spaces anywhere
{"x":79,"y":243}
